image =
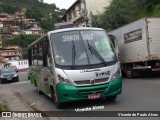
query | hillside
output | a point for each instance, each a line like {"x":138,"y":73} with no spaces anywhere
{"x":121,"y":12}
{"x":43,"y":13}
{"x":29,"y":4}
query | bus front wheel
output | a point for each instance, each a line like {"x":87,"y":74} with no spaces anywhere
{"x":55,"y":99}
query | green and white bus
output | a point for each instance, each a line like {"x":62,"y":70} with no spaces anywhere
{"x":75,"y":64}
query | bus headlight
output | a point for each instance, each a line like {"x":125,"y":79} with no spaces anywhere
{"x":64,"y":81}
{"x":116,"y":74}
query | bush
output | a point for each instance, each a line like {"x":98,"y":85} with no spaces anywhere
{"x":3,"y":106}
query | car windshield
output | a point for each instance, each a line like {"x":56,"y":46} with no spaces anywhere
{"x":80,"y":48}
{"x":7,"y":70}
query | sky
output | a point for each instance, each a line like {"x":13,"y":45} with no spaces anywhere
{"x":62,"y":4}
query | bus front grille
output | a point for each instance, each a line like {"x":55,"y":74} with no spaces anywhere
{"x":88,"y":82}
{"x":91,"y":91}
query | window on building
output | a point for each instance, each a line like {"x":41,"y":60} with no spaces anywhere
{"x":69,"y":17}
{"x":74,"y":12}
{"x":79,"y":6}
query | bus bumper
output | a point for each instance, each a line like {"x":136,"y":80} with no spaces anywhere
{"x":67,"y":93}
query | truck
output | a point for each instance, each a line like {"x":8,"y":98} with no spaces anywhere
{"x":139,"y":46}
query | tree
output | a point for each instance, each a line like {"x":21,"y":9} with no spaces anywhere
{"x":8,"y":9}
{"x":34,"y":14}
{"x":23,"y":41}
{"x":41,"y":1}
{"x":119,"y":13}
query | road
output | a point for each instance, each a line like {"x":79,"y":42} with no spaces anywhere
{"x":140,"y":94}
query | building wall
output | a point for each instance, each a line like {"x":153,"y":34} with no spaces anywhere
{"x":11,"y":53}
{"x":74,"y":13}
{"x":97,"y":6}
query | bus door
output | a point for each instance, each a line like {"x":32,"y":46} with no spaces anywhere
{"x":43,"y":82}
{"x":40,"y":69}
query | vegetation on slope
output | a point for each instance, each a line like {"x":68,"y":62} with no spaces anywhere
{"x":121,"y":12}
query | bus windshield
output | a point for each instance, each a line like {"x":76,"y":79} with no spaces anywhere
{"x":81,"y":48}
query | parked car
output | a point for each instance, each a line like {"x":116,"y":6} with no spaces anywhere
{"x":8,"y":74}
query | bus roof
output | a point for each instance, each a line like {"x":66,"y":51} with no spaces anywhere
{"x":63,"y":30}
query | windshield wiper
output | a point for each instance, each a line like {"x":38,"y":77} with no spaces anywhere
{"x":96,"y":53}
{"x":73,"y":54}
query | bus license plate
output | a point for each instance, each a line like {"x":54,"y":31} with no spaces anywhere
{"x":93,"y":96}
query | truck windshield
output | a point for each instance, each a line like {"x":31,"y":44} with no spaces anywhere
{"x":82,"y":48}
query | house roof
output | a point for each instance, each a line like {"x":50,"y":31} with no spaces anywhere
{"x":3,"y":19}
{"x":35,"y":28}
{"x":15,"y":27}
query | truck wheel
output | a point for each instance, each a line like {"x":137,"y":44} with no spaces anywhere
{"x":129,"y":73}
{"x":55,"y":99}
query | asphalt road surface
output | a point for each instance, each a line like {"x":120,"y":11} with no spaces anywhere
{"x":140,"y":94}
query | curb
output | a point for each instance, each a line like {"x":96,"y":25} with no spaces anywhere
{"x":15,"y":103}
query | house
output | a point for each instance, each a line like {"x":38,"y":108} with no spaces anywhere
{"x":36,"y":29}
{"x":80,"y":11}
{"x":3,"y":17}
{"x":11,"y":53}
{"x":21,"y":14}
{"x":15,"y":30}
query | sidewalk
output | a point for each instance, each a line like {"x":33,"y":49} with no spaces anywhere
{"x":15,"y":103}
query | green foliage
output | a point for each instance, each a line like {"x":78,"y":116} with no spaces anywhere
{"x":8,"y":9}
{"x":21,"y":25}
{"x":30,"y":4}
{"x":156,"y":11}
{"x":23,"y":41}
{"x":25,"y":53}
{"x":3,"y":106}
{"x":121,"y":12}
{"x":34,"y":13}
{"x":36,"y":9}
